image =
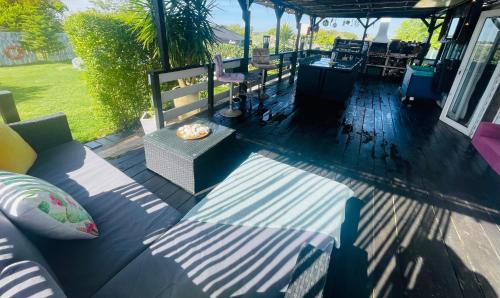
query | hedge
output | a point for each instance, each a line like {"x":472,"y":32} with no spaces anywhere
{"x":115,"y":64}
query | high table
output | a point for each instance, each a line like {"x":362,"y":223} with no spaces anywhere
{"x":320,"y":81}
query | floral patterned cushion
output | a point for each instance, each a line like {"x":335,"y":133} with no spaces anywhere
{"x":44,"y":209}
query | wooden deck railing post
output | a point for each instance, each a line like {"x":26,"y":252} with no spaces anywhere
{"x":210,"y":88}
{"x":280,"y":68}
{"x":293,"y":70}
{"x":154,"y":81}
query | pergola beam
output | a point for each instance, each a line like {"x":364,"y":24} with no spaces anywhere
{"x":353,"y":9}
{"x":366,"y":26}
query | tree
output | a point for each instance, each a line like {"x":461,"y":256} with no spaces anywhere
{"x":38,"y":20}
{"x":227,"y":50}
{"x":415,"y":30}
{"x":12,"y":13}
{"x":325,"y":38}
{"x":287,"y":37}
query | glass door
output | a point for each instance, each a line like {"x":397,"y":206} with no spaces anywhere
{"x":477,"y":78}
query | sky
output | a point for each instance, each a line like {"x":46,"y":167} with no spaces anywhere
{"x":228,"y":12}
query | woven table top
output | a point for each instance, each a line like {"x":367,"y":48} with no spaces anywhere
{"x":167,"y":139}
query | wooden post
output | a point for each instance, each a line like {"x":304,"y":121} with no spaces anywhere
{"x":161,"y":32}
{"x":298,"y":17}
{"x":280,"y":69}
{"x":444,"y":29}
{"x":154,"y":81}
{"x":293,"y":61}
{"x":430,"y":30}
{"x":293,"y":70}
{"x":245,"y":10}
{"x":279,"y":10}
{"x":365,"y":28}
{"x":210,"y":88}
{"x":8,"y":108}
{"x":312,"y":25}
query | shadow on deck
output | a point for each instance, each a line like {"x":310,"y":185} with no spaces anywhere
{"x":426,"y":217}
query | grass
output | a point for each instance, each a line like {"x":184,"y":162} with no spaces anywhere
{"x":43,"y":89}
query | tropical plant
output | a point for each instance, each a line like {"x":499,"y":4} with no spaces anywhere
{"x":415,"y":30}
{"x":38,"y":20}
{"x":287,"y":37}
{"x":189,"y":38}
{"x":116,"y":64}
{"x":189,"y":28}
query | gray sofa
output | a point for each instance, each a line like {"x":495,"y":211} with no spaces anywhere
{"x":145,"y":249}
{"x":119,"y":206}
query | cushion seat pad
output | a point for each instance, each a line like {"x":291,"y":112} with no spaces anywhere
{"x":243,"y":239}
{"x":128,"y":217}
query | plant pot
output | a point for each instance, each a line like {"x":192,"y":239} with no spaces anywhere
{"x":148,"y":123}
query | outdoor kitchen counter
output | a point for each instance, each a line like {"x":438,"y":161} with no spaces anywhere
{"x":319,"y":81}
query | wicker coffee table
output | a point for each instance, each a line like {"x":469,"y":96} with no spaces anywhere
{"x":192,"y":165}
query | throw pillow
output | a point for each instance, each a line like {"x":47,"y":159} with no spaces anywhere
{"x":15,"y":154}
{"x":43,"y":208}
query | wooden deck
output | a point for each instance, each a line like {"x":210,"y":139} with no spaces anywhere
{"x":426,"y":221}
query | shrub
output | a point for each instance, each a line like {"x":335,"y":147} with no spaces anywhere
{"x":116,"y":65}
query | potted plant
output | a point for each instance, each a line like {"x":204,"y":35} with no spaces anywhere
{"x":148,"y":122}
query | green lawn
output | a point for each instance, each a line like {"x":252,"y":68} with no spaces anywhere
{"x":48,"y":88}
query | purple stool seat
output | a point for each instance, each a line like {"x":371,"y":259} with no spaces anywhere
{"x":486,"y":140}
{"x":231,"y":77}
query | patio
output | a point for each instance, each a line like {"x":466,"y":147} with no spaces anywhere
{"x":282,"y":220}
{"x":421,"y":224}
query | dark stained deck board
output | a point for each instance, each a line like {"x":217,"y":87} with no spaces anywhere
{"x":426,"y":218}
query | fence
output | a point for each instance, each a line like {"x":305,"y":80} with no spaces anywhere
{"x":286,"y":66}
{"x":13,"y":53}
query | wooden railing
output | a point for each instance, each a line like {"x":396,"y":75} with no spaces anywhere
{"x":286,"y":68}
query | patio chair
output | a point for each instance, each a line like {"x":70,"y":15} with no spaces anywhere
{"x":230,"y":78}
{"x":262,"y":60}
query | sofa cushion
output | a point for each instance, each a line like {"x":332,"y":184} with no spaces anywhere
{"x":199,"y":259}
{"x":489,"y":148}
{"x":128,"y":216}
{"x":15,"y":154}
{"x":15,"y":247}
{"x":493,"y":144}
{"x":44,"y":209}
{"x":28,"y":279}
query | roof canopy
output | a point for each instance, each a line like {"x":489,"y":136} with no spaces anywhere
{"x":364,"y":8}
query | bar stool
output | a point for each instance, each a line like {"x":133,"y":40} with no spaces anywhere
{"x":230,"y":78}
{"x":262,"y":60}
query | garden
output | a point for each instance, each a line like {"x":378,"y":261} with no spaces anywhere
{"x":117,"y":44}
